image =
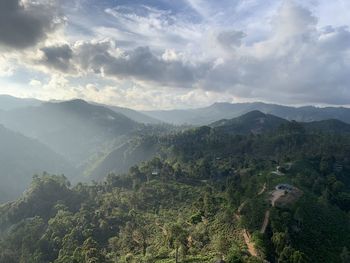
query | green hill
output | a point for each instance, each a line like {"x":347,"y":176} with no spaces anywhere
{"x":252,"y":122}
{"x":125,"y":156}
{"x":21,"y":158}
{"x":207,"y":196}
{"x":331,"y":126}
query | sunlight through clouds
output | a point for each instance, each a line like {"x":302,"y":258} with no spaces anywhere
{"x":195,"y":50}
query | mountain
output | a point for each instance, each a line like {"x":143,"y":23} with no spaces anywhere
{"x":257,"y":122}
{"x":218,"y":111}
{"x":132,"y":114}
{"x":141,"y":149}
{"x":252,"y":122}
{"x":330,"y":126}
{"x":274,"y":197}
{"x":74,"y":129}
{"x":21,"y":158}
{"x":8,"y":102}
{"x":125,"y":156}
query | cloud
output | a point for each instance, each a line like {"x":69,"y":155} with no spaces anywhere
{"x":230,"y":39}
{"x":288,"y":66}
{"x":139,"y":64}
{"x":6,"y":67}
{"x":25,"y":23}
{"x":277,"y":51}
{"x":57,"y":57}
{"x":35,"y":83}
{"x":293,"y":19}
{"x":298,"y":63}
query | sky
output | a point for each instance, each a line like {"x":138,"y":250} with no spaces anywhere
{"x":165,"y":54}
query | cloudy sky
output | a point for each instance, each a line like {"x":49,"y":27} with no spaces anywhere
{"x":162,"y":54}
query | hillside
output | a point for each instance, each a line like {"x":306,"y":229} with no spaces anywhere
{"x":145,"y":147}
{"x":125,"y":156}
{"x":218,"y":111}
{"x":207,"y":197}
{"x":21,"y":158}
{"x":331,"y":126}
{"x":252,"y":122}
{"x":74,"y":129}
{"x":257,"y":122}
{"x":133,"y":114}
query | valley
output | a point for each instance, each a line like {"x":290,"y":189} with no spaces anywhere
{"x":256,"y":188}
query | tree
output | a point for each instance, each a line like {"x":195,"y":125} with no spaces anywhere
{"x":298,"y":257}
{"x":279,"y":239}
{"x":91,"y":252}
{"x":234,"y":256}
{"x":177,"y":238}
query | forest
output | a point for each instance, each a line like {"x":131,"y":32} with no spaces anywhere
{"x":208,"y":195}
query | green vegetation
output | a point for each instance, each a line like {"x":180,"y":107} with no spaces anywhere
{"x":202,"y":198}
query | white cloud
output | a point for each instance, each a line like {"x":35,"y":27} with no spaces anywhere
{"x":297,"y":63}
{"x":7,"y":68}
{"x":279,"y":51}
{"x":35,"y":83}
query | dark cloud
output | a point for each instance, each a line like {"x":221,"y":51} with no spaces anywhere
{"x":295,"y":62}
{"x":23,"y":25}
{"x":58,"y":57}
{"x":139,"y":63}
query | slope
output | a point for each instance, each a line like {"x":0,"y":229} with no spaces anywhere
{"x":132,"y":114}
{"x":252,"y":122}
{"x":21,"y":158}
{"x":125,"y":156}
{"x":74,"y":129}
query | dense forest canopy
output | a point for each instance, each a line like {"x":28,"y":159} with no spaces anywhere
{"x":208,"y":194}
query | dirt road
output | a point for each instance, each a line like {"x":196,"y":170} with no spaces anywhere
{"x":250,"y":245}
{"x":266,"y":222}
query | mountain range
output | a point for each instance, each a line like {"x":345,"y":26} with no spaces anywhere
{"x":9,"y":102}
{"x":218,"y":111}
{"x":87,"y":141}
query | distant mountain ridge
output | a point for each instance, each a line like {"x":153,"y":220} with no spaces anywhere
{"x":257,"y":122}
{"x":204,"y":115}
{"x":8,"y":102}
{"x":218,"y":111}
{"x":99,"y":139}
{"x":131,"y":114}
{"x":330,"y":126}
{"x":74,"y":129}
